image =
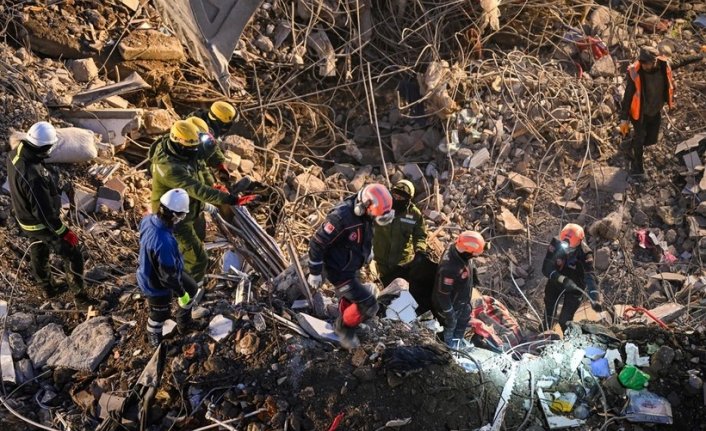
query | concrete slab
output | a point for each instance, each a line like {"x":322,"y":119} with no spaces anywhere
{"x":211,"y":33}
{"x":317,"y":328}
{"x":402,"y":308}
{"x":6,"y":364}
{"x":112,"y":124}
{"x":133,"y":82}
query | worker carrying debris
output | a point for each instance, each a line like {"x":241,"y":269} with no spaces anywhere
{"x":455,"y":278}
{"x":340,"y":248}
{"x":568,"y":265}
{"x":219,"y":119}
{"x":649,"y":85}
{"x":36,"y":201}
{"x":161,"y":267}
{"x":175,"y":165}
{"x":404,"y":240}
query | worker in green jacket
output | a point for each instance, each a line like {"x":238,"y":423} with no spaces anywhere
{"x":175,"y":164}
{"x":405,"y":239}
{"x":218,"y":119}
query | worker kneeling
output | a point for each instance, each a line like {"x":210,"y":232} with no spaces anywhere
{"x":451,"y":298}
{"x":341,"y":246}
{"x":161,"y":266}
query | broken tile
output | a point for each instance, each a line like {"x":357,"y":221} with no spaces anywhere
{"x":521,"y":183}
{"x":508,"y":223}
{"x":317,"y":328}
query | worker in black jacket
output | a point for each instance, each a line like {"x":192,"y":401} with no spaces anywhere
{"x":455,"y":278}
{"x":36,"y":202}
{"x":568,"y":265}
{"x":341,"y":246}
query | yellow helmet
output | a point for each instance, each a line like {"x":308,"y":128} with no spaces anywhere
{"x":201,"y":125}
{"x":184,"y":133}
{"x":404,"y":186}
{"x":222,"y":111}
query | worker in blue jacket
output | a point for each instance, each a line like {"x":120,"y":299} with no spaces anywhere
{"x":161,"y":266}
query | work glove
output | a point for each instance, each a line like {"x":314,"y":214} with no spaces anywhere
{"x":597,"y":306}
{"x":242,"y":185}
{"x":184,"y":301}
{"x":210,"y":208}
{"x":624,"y":127}
{"x":223,"y":173}
{"x":221,"y":188}
{"x":315,"y":281}
{"x":568,"y":284}
{"x":70,"y":238}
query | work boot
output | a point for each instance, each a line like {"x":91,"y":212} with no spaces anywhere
{"x":53,"y":290}
{"x":82,"y":299}
{"x":154,"y":339}
{"x":346,"y":335}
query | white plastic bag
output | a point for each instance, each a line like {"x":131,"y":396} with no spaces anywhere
{"x":75,"y":145}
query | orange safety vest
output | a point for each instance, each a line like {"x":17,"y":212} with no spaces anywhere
{"x":635,"y":105}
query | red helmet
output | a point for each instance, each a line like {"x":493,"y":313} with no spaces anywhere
{"x":573,"y":234}
{"x":375,"y":201}
{"x":470,"y":242}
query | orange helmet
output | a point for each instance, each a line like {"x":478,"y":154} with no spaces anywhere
{"x":470,"y":242}
{"x":375,"y":200}
{"x":573,"y":234}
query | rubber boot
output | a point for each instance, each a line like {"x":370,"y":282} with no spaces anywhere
{"x":154,"y":339}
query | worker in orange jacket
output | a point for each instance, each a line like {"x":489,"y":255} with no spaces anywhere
{"x":649,"y":85}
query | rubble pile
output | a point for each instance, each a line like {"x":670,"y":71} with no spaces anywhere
{"x":502,"y":115}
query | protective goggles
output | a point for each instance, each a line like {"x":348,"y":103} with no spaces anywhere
{"x":385,"y":219}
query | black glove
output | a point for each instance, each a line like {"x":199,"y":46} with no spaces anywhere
{"x":570,"y":286}
{"x":597,"y":306}
{"x":242,"y":185}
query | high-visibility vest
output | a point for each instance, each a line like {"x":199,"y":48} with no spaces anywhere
{"x":635,"y":105}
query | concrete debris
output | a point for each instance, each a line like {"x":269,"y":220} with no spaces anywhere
{"x":86,"y":347}
{"x":220,"y":327}
{"x":667,"y":312}
{"x":609,"y":227}
{"x":110,"y":196}
{"x":24,"y":371}
{"x":508,"y":223}
{"x":603,"y":67}
{"x":317,"y":328}
{"x":44,"y":343}
{"x":133,"y":82}
{"x":307,"y":183}
{"x":18,"y":346}
{"x":602,"y":258}
{"x":19,"y":322}
{"x":114,"y":125}
{"x":610,"y":179}
{"x":407,"y":146}
{"x":402,"y":308}
{"x":243,"y":147}
{"x":84,"y":69}
{"x":151,"y":45}
{"x":319,"y":42}
{"x":521,"y":183}
{"x":479,"y":159}
{"x":413,"y":172}
{"x":158,"y":121}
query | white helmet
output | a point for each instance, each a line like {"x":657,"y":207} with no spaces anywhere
{"x":176,"y":200}
{"x":42,"y":134}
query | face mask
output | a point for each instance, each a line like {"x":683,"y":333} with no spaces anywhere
{"x":400,"y":204}
{"x":188,"y":151}
{"x":178,"y":217}
{"x":385,"y":219}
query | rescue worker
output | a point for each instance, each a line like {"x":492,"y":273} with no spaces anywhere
{"x":207,"y":148}
{"x":340,"y":248}
{"x":568,"y":265}
{"x":649,"y":85}
{"x":175,"y":165}
{"x":219,"y":119}
{"x":403,"y":240}
{"x":36,"y":201}
{"x":455,"y":278}
{"x":160,"y":273}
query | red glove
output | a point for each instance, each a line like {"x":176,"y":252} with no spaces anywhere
{"x":221,"y":188}
{"x":244,"y":200}
{"x":70,"y":238}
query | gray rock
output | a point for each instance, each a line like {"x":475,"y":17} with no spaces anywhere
{"x":640,"y":218}
{"x":613,"y":385}
{"x":17,"y":345}
{"x":604,"y":66}
{"x":602,"y":258}
{"x":694,"y":384}
{"x":44,"y":343}
{"x":508,"y":223}
{"x":24,"y":371}
{"x":480,"y":158}
{"x":264,"y":43}
{"x":609,"y":179}
{"x":307,"y":183}
{"x":20,"y":322}
{"x":345,"y":169}
{"x":200,"y":313}
{"x":86,"y":347}
{"x":608,"y":227}
{"x":243,"y":147}
{"x":83,"y":69}
{"x":359,"y":178}
{"x":662,"y":359}
{"x":701,"y":209}
{"x":413,"y":172}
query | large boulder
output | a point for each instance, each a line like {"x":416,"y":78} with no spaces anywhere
{"x":86,"y":347}
{"x":44,"y":343}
